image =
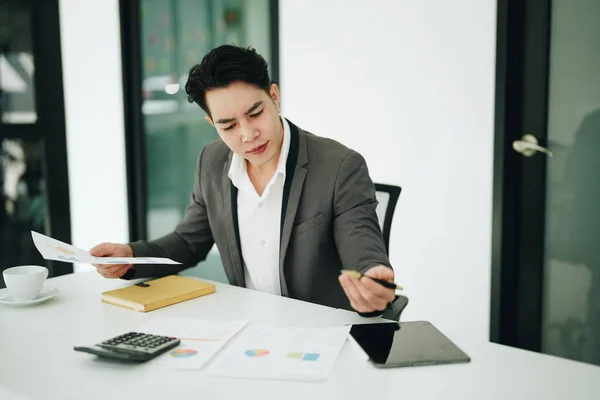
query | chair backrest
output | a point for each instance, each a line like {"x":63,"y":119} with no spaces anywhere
{"x":387,"y":196}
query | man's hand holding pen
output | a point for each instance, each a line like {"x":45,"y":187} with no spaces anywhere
{"x":366,"y":294}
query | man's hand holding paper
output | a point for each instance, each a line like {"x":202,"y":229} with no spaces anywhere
{"x":112,"y":250}
{"x":112,"y":260}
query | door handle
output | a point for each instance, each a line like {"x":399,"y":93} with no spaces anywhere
{"x":529,"y":145}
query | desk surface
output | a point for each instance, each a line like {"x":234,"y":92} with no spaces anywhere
{"x":37,"y":360}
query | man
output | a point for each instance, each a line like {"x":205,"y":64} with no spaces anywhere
{"x":287,"y":209}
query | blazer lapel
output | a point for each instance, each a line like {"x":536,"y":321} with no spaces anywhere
{"x":231,"y":225}
{"x":295,"y":176}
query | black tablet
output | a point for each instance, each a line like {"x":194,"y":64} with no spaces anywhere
{"x":406,"y":344}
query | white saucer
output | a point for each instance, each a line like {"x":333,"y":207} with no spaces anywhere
{"x":45,"y":294}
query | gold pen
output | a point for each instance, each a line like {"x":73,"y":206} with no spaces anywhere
{"x":388,"y":284}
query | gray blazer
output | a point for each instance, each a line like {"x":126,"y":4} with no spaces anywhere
{"x":328,"y":221}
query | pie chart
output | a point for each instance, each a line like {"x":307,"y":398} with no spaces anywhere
{"x":183,"y":353}
{"x":257,"y":353}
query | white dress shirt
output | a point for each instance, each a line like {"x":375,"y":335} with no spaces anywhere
{"x":259,"y":220}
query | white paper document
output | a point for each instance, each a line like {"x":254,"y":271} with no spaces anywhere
{"x":200,"y":340}
{"x":52,"y":249}
{"x":268,"y":352}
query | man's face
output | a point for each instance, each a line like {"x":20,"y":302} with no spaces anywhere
{"x":247,"y":120}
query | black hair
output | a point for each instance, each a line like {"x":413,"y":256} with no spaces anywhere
{"x":222,"y":66}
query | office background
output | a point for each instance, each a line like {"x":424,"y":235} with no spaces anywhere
{"x":409,"y":85}
{"x":414,"y":126}
{"x":375,"y":78}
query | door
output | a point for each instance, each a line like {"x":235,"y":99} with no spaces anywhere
{"x":546,"y":238}
{"x":34,"y":192}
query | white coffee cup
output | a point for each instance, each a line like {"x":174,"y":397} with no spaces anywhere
{"x":25,"y":282}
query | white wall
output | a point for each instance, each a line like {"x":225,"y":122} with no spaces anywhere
{"x":410,"y":85}
{"x":91,"y":57}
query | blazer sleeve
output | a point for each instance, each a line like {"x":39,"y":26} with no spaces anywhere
{"x":356,"y":229}
{"x":188,"y":244}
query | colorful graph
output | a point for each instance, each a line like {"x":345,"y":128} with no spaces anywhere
{"x":64,"y":251}
{"x":183,"y":353}
{"x":67,"y":258}
{"x":257,"y":353}
{"x":148,"y":260}
{"x":303,"y":356}
{"x":140,"y":259}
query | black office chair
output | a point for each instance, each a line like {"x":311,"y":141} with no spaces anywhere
{"x":387,"y":196}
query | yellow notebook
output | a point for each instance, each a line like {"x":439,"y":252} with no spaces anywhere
{"x":157,"y":293}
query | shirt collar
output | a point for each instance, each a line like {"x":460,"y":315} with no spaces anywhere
{"x":237,"y":169}
{"x":285,"y":148}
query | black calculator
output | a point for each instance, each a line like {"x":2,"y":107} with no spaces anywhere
{"x":132,"y":346}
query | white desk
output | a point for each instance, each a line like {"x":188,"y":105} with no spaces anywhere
{"x":37,"y":360}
